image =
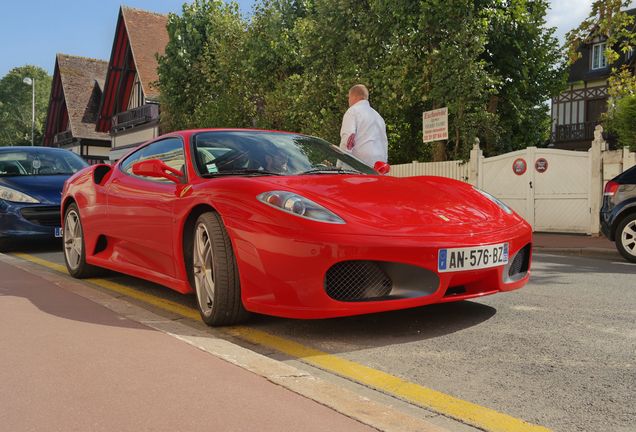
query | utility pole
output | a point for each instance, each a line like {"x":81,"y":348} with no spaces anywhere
{"x":31,"y":82}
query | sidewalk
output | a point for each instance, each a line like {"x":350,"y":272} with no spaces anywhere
{"x":69,"y":364}
{"x":575,"y":244}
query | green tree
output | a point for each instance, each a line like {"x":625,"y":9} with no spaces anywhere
{"x":621,"y":121}
{"x":291,"y":65}
{"x":524,"y":55}
{"x":272,"y":65}
{"x":16,"y":103}
{"x":200,"y":74}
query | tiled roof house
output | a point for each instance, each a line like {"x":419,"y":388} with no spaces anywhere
{"x":129,"y":108}
{"x":76,"y":92}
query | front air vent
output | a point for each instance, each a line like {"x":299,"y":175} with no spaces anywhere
{"x":357,"y":281}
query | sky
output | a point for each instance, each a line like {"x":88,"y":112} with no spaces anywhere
{"x":33,"y":31}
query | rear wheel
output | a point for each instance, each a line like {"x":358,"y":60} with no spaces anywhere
{"x":626,"y":238}
{"x":74,"y":246}
{"x":215,"y":273}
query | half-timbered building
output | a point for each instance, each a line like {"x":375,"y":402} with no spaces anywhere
{"x":76,"y":92}
{"x":577,"y":111}
{"x":129,"y":109}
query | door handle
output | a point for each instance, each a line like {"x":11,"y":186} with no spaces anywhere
{"x":530,"y":185}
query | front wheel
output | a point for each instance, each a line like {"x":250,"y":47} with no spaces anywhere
{"x":215,"y":274}
{"x":626,"y":238}
{"x":74,"y":245}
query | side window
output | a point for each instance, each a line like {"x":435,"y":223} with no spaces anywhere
{"x":169,"y":150}
{"x":126,"y":165}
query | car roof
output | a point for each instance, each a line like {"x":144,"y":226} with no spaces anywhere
{"x":30,"y":149}
{"x":194,"y":131}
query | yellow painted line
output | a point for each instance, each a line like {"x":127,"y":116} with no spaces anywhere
{"x":467,"y":412}
{"x":58,"y":267}
{"x":464,"y":411}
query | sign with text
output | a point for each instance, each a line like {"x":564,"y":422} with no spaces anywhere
{"x":436,"y":125}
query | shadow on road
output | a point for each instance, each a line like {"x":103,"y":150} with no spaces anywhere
{"x":552,"y":271}
{"x":380,"y":329}
{"x":51,"y":298}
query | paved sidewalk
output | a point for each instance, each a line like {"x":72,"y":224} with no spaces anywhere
{"x":69,"y":364}
{"x":574,"y":244}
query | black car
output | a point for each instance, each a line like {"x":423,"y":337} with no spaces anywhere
{"x":618,"y":214}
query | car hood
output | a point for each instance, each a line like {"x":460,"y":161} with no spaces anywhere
{"x":416,"y":205}
{"x":46,"y":189}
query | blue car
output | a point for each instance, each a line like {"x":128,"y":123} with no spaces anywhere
{"x":31,"y":181}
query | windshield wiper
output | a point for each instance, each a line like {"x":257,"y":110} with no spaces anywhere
{"x":331,"y":170}
{"x":241,"y":172}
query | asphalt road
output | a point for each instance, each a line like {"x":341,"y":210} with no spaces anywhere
{"x":560,"y":352}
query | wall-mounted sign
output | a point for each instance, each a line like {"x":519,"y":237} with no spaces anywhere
{"x":541,"y":165}
{"x":519,"y":166}
{"x":436,"y":125}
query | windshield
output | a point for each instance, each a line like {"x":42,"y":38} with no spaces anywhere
{"x":270,"y":153}
{"x":41,"y":161}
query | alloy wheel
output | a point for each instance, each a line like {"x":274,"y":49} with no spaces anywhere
{"x":73,"y":240}
{"x":628,"y":237}
{"x":203,"y":265}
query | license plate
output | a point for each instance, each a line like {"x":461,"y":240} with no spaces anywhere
{"x":59,"y":232}
{"x":472,"y":258}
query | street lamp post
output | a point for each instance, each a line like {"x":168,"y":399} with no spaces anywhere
{"x":31,"y":82}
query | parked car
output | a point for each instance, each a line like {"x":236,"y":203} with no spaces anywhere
{"x":618,"y":214}
{"x":288,"y":225}
{"x":31,"y":180}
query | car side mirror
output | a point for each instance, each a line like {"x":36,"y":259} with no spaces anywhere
{"x":157,"y":168}
{"x":382,"y":168}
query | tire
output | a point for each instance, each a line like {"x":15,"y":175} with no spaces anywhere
{"x":626,"y":238}
{"x":74,"y":245}
{"x":215,"y":274}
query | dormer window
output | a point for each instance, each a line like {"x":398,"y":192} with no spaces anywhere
{"x":599,"y":61}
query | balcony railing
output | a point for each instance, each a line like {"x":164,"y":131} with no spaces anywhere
{"x":574,"y":132}
{"x":136,"y":116}
{"x":63,"y":138}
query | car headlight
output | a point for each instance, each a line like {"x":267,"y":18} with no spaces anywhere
{"x":13,"y":195}
{"x":299,"y":206}
{"x":500,"y":203}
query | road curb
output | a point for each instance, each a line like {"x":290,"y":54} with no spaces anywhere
{"x":378,"y":415}
{"x":584,"y":252}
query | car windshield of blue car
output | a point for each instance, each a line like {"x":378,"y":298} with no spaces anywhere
{"x":39,"y":161}
{"x":221,"y":153}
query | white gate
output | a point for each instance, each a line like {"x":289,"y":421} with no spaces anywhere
{"x":554,"y":190}
{"x":550,"y":188}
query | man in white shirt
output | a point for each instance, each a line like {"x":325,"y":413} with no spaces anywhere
{"x":363,"y":132}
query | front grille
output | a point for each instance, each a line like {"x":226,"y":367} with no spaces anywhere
{"x":521,"y":262}
{"x":352,"y":281}
{"x":43,"y":215}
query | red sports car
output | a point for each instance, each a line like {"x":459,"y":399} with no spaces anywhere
{"x":288,"y":225}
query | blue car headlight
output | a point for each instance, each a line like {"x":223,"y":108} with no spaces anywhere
{"x":500,"y":203}
{"x":13,"y":195}
{"x":300,"y":206}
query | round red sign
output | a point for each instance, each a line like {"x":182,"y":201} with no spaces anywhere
{"x":541,"y":165}
{"x":519,"y":166}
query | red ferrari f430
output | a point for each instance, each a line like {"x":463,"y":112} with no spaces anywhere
{"x":288,"y":225}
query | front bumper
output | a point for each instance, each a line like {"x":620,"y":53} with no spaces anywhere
{"x":284,"y":273}
{"x":28,"y":221}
